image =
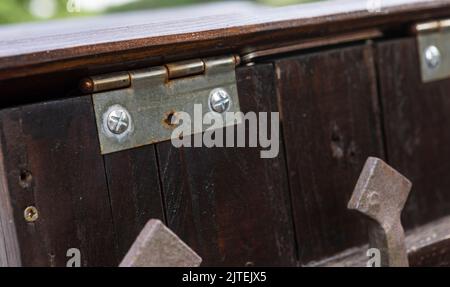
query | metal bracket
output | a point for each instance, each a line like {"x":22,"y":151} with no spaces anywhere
{"x":380,"y":194}
{"x":157,"y":246}
{"x":433,"y":41}
{"x":137,"y":108}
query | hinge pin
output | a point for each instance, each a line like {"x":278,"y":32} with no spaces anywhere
{"x":105,"y":82}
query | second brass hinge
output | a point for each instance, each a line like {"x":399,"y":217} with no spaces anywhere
{"x":433,"y":42}
{"x":136,"y":108}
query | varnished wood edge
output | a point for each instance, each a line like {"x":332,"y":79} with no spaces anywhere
{"x":242,"y":39}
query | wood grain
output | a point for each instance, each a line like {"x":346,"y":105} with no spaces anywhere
{"x":134,"y":188}
{"x":427,"y":246}
{"x":416,"y":121}
{"x":9,"y":245}
{"x":331,"y":125}
{"x":228,"y":204}
{"x":52,"y":160}
{"x":44,"y":49}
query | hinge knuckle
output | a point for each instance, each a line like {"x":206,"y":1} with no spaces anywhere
{"x":105,"y":82}
{"x":433,"y":26}
{"x":171,"y":71}
{"x":149,"y":75}
{"x":218,"y":63}
{"x":185,"y":68}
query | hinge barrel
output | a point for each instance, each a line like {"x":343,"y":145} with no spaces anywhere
{"x":105,"y":82}
{"x":185,"y":68}
{"x":433,"y":26}
{"x":176,"y":70}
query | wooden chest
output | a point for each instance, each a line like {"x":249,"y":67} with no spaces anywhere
{"x":348,"y":84}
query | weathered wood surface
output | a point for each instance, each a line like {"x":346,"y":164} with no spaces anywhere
{"x":427,"y":246}
{"x":134,"y":187}
{"x":330,"y":120}
{"x":191,"y":33}
{"x":51,"y":160}
{"x":416,"y":122}
{"x":228,"y":204}
{"x":9,"y":245}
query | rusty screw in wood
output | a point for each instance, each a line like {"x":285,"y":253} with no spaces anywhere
{"x":118,"y":121}
{"x":31,"y":214}
{"x":219,"y":100}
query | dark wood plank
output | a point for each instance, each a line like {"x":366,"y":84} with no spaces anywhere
{"x":427,"y":245}
{"x":228,"y":204}
{"x":331,"y":125}
{"x":135,"y":193}
{"x":416,"y":120}
{"x":52,"y":160}
{"x":37,"y":49}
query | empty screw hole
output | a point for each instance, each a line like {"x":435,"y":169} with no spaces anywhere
{"x":25,"y":178}
{"x":169,"y":119}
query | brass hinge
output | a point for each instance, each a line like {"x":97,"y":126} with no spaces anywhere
{"x":136,"y":108}
{"x":433,"y":42}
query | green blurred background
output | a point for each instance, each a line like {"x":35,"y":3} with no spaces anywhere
{"x":15,"y":11}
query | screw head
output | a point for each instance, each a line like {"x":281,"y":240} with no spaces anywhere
{"x":432,"y":57}
{"x":30,"y":214}
{"x":219,"y":100}
{"x":118,"y":120}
